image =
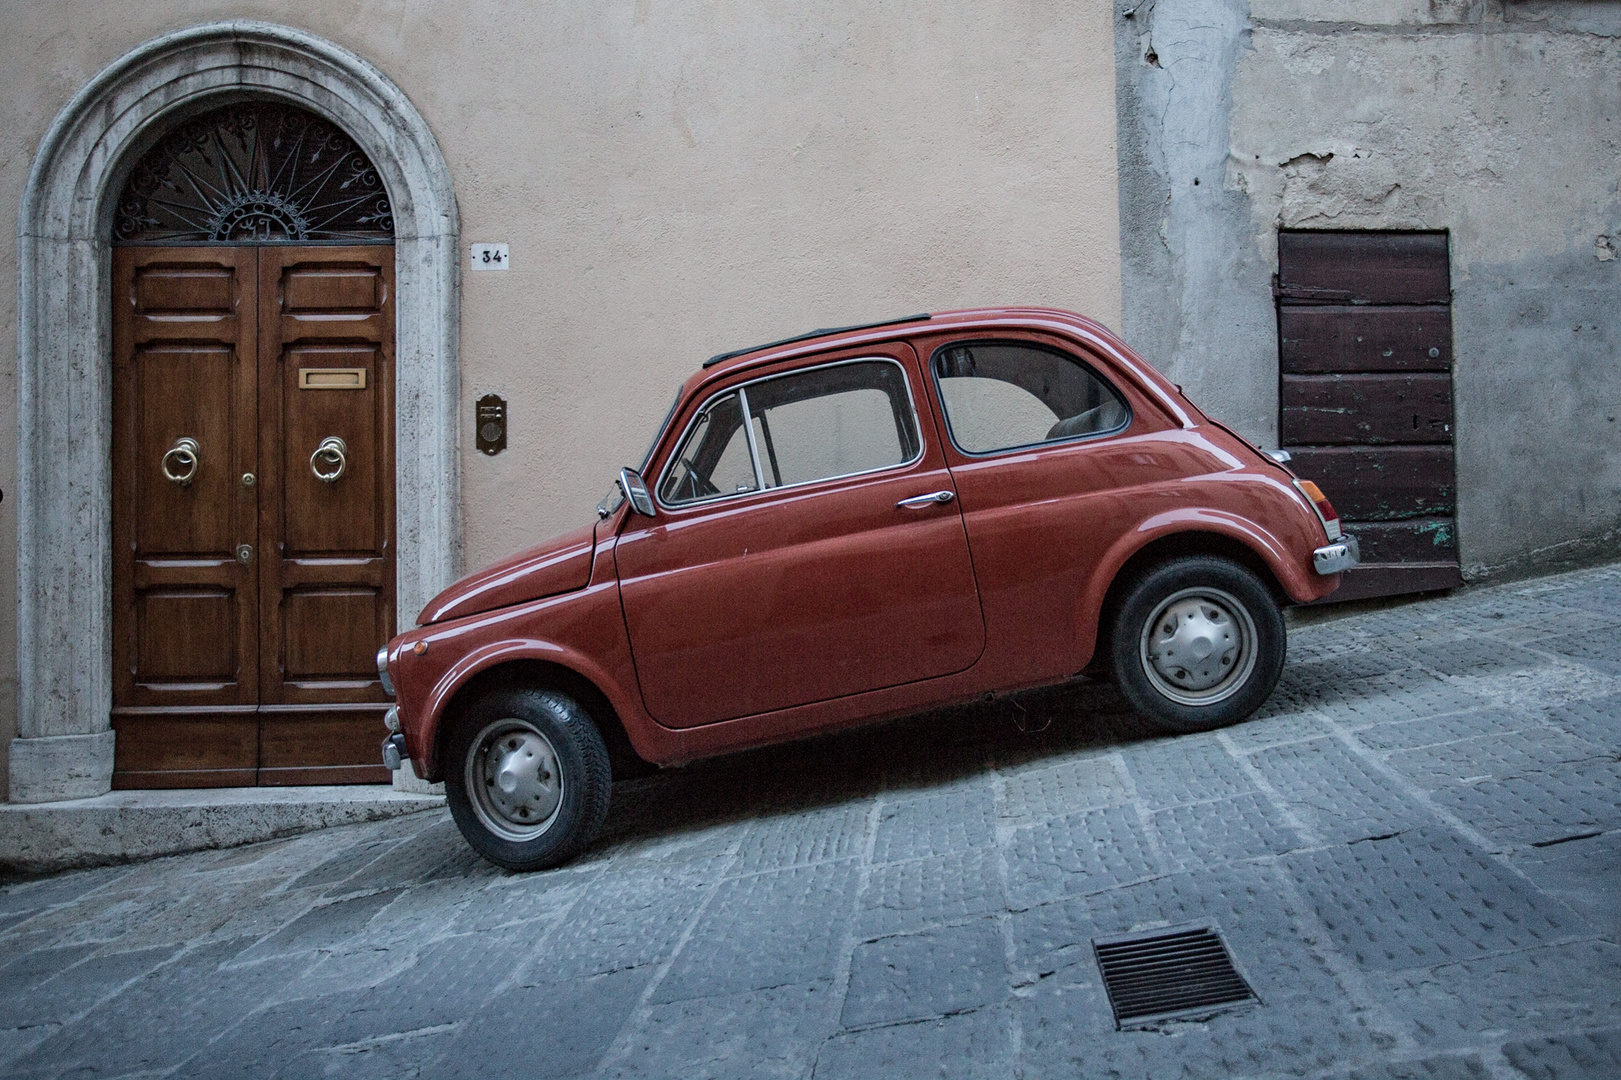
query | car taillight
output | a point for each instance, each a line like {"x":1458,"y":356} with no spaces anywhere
{"x":1325,"y":509}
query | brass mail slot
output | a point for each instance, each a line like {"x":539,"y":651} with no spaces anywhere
{"x":332,"y":378}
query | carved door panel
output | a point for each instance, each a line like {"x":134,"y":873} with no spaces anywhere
{"x":248,"y":594}
{"x":326,"y":579}
{"x":185,"y":606}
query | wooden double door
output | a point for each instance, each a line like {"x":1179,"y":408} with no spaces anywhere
{"x":253,"y":513}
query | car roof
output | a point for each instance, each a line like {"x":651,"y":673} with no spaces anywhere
{"x":828,"y":331}
{"x":890,"y":329}
{"x":987,"y":319}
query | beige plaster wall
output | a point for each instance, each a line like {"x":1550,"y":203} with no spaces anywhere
{"x":674,"y":179}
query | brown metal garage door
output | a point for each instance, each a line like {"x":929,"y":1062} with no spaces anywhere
{"x":1365,"y":397}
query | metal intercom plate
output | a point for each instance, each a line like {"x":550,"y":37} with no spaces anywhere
{"x":490,"y":424}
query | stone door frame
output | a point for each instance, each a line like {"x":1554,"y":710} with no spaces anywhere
{"x":64,"y":748}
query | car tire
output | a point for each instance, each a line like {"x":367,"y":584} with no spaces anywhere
{"x":1198,"y":643}
{"x":527,"y":777}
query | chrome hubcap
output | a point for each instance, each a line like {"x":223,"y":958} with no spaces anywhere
{"x":514,"y":780}
{"x":1199,"y":646}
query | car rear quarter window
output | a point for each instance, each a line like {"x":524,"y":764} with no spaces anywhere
{"x":1006,"y":395}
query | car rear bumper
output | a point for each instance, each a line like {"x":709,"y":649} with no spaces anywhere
{"x":1340,"y":555}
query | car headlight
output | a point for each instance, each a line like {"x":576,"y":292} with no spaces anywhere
{"x":382,"y":671}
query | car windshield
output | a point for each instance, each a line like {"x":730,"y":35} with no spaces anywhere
{"x":616,"y":497}
{"x":669,"y":414}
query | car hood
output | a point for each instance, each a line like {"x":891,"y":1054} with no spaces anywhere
{"x":562,"y":564}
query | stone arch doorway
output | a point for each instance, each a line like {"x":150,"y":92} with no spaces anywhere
{"x":252,"y":454}
{"x":66,"y":745}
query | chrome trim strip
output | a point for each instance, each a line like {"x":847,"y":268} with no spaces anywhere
{"x":382,"y":671}
{"x":911,"y":400}
{"x":1337,"y":557}
{"x":748,"y":434}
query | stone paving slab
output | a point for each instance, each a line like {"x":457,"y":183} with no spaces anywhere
{"x":1413,"y":853}
{"x":1587,"y":1055}
{"x":1593,"y":720}
{"x":928,"y":891}
{"x":1556,"y":988}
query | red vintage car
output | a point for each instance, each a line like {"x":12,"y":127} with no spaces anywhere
{"x":851,"y":525}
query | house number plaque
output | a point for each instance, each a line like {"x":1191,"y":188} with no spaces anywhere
{"x":491,"y":424}
{"x":491,"y":257}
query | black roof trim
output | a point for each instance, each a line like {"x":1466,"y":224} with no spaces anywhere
{"x":713,"y":360}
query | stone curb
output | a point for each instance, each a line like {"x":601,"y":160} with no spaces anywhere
{"x":124,"y":826}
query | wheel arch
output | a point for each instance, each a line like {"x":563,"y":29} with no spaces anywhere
{"x":1256,"y":552}
{"x":534,"y":673}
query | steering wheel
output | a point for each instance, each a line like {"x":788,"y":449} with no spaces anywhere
{"x":693,"y":479}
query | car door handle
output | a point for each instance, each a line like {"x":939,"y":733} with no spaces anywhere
{"x":933,"y":498}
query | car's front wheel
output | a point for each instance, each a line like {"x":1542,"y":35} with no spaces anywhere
{"x":527,"y":777}
{"x":1198,"y":643}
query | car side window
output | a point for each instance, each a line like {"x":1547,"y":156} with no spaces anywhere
{"x":832,"y":421}
{"x":1002,"y":395}
{"x":836,"y":420}
{"x":714,"y":458}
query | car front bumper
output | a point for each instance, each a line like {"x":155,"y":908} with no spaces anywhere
{"x":394,"y":746}
{"x":1343,"y":554}
{"x":394,"y":752}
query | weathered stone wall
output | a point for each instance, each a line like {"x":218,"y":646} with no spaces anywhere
{"x":1497,"y":121}
{"x":674,"y":180}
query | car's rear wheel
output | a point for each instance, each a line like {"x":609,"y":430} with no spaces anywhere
{"x":527,"y":777}
{"x":1198,"y":643}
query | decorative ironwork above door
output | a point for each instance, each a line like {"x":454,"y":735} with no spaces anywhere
{"x":254,"y":172}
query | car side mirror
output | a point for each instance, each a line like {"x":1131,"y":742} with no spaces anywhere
{"x":635,"y":489}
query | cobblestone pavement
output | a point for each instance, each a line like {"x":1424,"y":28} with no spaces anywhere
{"x":1414,"y":854}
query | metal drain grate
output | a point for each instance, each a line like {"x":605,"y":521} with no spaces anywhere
{"x":1168,"y":972}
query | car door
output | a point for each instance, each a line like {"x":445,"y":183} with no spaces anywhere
{"x":790,"y":559}
{"x":1050,"y":470}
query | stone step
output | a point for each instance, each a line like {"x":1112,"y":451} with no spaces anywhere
{"x":124,"y":826}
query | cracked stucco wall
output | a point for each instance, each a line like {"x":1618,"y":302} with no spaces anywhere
{"x":1498,"y":122}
